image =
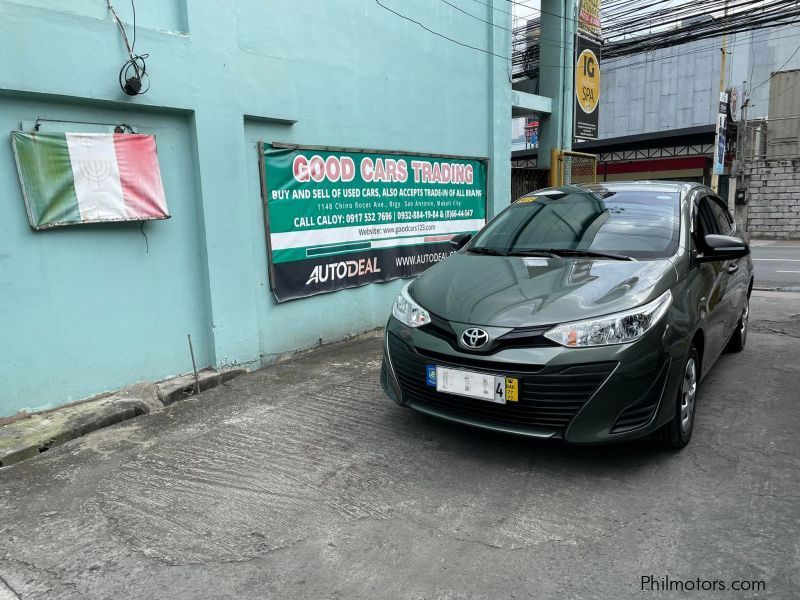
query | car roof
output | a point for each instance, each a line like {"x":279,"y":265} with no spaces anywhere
{"x":603,"y":188}
{"x":650,"y":186}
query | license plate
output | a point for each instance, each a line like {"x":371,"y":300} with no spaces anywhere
{"x":492,"y":388}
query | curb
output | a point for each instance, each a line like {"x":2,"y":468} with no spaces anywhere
{"x":34,"y":434}
{"x":779,"y":290}
{"x":38,"y":433}
{"x":179,"y":388}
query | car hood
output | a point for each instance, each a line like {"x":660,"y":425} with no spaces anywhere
{"x":529,"y":291}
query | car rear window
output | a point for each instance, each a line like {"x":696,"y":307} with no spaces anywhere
{"x":641,"y":224}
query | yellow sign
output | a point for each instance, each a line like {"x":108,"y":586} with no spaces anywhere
{"x":587,"y":81}
{"x":512,"y":389}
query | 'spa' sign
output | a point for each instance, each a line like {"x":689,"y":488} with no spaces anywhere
{"x":587,"y":88}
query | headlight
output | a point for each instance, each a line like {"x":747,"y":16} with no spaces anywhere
{"x":409,"y":312}
{"x":619,"y":328}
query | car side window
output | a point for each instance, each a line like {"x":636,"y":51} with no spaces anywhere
{"x":706,"y":219}
{"x":721,"y":215}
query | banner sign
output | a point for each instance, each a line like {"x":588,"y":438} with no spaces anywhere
{"x":589,"y":18}
{"x":587,"y":88}
{"x":344,"y":219}
{"x":719,"y":147}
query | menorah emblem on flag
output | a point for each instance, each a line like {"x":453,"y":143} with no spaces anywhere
{"x":96,"y":171}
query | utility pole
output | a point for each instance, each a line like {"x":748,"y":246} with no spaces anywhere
{"x":714,"y":174}
{"x":741,"y":136}
{"x":557,"y":76}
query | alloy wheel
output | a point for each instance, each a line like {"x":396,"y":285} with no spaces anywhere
{"x":688,"y":393}
{"x":744,"y":322}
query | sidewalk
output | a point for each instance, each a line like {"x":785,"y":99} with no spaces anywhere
{"x":25,"y":436}
{"x":303,"y":481}
{"x":776,"y":243}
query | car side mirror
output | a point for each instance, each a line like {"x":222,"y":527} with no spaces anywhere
{"x":458,"y":241}
{"x":723,"y":247}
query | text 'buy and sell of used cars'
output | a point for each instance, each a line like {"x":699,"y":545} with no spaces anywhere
{"x":583,"y":313}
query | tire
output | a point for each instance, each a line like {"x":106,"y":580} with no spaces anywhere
{"x":677,"y":433}
{"x":739,"y":337}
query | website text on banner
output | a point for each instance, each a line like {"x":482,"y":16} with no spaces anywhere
{"x":345,"y":219}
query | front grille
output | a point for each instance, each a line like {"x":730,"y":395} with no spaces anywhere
{"x":641,"y":412}
{"x":477,"y":363}
{"x":520,"y":337}
{"x":549,"y":397}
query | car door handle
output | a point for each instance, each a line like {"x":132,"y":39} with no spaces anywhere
{"x":733,"y":268}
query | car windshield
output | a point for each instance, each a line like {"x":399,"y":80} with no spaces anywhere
{"x":622,"y":224}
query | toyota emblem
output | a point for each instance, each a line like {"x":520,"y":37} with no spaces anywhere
{"x":474,"y":338}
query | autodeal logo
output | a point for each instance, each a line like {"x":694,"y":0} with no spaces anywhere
{"x":343,"y":269}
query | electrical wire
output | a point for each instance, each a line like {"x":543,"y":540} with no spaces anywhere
{"x":133,"y":11}
{"x":776,"y":71}
{"x":646,"y":18}
{"x":515,"y":32}
{"x":133,"y":73}
{"x":754,"y":14}
{"x":461,"y":10}
{"x":692,"y":50}
{"x":752,"y":58}
{"x":493,"y":7}
{"x":616,"y":26}
{"x":735,"y":23}
{"x":520,"y":59}
{"x":441,"y":35}
{"x":743,"y":20}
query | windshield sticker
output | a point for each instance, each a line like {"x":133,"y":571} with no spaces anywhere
{"x":526,"y":200}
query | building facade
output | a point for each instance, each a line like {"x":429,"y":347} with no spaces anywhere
{"x":93,"y":308}
{"x":768,"y":177}
{"x":669,"y":98}
{"x":658,"y":114}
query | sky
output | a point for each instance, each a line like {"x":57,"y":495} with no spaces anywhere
{"x":522,"y":13}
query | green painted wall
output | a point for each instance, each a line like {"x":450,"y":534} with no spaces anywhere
{"x":89,"y":309}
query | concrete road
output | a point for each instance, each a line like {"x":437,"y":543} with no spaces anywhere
{"x":303,"y":481}
{"x":777,"y":264}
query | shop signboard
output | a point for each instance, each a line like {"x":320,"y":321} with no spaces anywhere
{"x":719,"y":147}
{"x":589,"y":18}
{"x":341,"y":219}
{"x":587,"y":88}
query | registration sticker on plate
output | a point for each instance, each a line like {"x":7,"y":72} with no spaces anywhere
{"x":512,"y":389}
{"x":492,"y":388}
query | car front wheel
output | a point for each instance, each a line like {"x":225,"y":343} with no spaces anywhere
{"x":677,"y":433}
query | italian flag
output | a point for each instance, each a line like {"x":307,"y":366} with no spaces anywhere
{"x":71,"y":178}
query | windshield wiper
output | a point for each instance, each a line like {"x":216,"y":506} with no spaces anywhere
{"x":485,"y":250}
{"x":576,"y":252}
{"x":523,"y":252}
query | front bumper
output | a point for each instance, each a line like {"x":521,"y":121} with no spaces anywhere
{"x":586,"y":395}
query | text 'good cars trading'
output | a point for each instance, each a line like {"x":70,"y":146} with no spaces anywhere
{"x":583,"y":313}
